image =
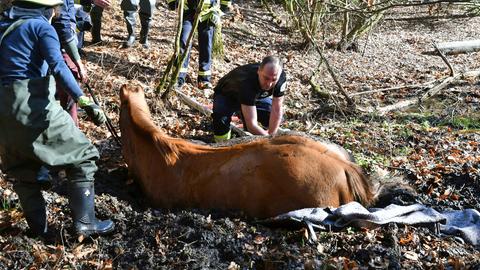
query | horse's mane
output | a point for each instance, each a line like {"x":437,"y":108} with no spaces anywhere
{"x":140,"y":120}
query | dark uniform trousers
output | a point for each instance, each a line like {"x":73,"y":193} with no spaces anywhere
{"x":206,"y":31}
{"x":145,"y":10}
{"x":224,"y":108}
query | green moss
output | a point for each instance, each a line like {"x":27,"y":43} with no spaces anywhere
{"x":464,"y":123}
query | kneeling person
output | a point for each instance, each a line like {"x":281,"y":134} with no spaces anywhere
{"x":248,"y":89}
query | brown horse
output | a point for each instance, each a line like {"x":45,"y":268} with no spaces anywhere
{"x":264,"y":177}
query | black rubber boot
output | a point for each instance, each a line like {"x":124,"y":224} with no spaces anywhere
{"x":145,"y":23}
{"x":33,"y":205}
{"x":96,"y":16}
{"x":82,"y":204}
{"x":130,"y":21}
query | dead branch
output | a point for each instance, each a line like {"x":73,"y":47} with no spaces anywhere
{"x":430,"y":93}
{"x":204,"y":110}
{"x":330,"y":70}
{"x":444,"y":58}
{"x":318,"y":90}
{"x":309,"y":37}
{"x":421,"y":85}
{"x":434,"y":17}
{"x":275,"y":17}
{"x":176,"y":50}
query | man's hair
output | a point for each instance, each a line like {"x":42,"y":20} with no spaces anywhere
{"x":274,"y":60}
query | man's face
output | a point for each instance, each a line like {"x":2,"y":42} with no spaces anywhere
{"x":268,"y":76}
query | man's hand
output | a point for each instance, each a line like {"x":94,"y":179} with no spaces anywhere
{"x":102,"y":3}
{"x":82,"y":71}
{"x":250,"y":118}
{"x":93,"y":110}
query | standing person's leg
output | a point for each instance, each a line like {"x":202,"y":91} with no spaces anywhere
{"x":206,"y":30}
{"x":18,"y":132}
{"x":84,"y":23}
{"x":129,"y":8}
{"x":223,"y":109}
{"x":70,"y":149}
{"x":28,"y":188}
{"x":96,"y":16}
{"x":147,"y":8}
{"x":186,"y":29}
{"x":82,"y":200}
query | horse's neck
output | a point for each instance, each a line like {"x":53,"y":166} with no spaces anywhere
{"x":170,"y":148}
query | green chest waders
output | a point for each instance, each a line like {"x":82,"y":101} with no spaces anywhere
{"x":36,"y":131}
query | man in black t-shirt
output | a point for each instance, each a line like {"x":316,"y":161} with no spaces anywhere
{"x":248,"y":89}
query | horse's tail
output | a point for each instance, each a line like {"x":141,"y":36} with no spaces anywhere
{"x":359,"y":184}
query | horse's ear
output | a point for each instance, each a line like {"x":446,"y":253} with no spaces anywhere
{"x":139,"y":89}
{"x":124,"y":93}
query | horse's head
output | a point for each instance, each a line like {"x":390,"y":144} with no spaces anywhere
{"x":133,"y":96}
{"x":127,"y":92}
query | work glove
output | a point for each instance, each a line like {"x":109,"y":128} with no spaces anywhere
{"x":93,"y":111}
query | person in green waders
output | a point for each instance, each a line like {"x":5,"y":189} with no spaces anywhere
{"x":34,"y":129}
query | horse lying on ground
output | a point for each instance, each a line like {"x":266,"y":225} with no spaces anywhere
{"x":263,"y":178}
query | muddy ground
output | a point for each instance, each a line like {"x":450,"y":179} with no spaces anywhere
{"x":434,"y":147}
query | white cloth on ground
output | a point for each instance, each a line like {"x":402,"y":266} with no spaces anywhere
{"x":463,"y":223}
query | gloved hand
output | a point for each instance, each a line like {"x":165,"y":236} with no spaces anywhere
{"x":225,"y":8}
{"x":172,"y":5}
{"x":93,"y":110}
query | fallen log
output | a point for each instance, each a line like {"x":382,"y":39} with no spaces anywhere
{"x":205,"y":111}
{"x":457,"y":47}
{"x":264,"y":177}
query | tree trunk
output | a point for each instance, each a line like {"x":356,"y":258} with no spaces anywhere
{"x":361,"y":27}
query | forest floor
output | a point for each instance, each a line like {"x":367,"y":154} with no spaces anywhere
{"x":434,"y":147}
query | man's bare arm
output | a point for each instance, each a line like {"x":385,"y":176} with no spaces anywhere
{"x":275,"y":115}
{"x":250,"y":118}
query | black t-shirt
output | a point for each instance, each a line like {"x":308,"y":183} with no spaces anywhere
{"x":242,"y":85}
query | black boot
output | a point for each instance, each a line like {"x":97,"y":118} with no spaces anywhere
{"x":145,"y":22}
{"x":33,"y":206}
{"x":81,"y":201}
{"x":96,"y":16}
{"x":130,"y":21}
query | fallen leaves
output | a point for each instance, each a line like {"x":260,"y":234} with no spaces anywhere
{"x":406,"y":239}
{"x":81,"y":251}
